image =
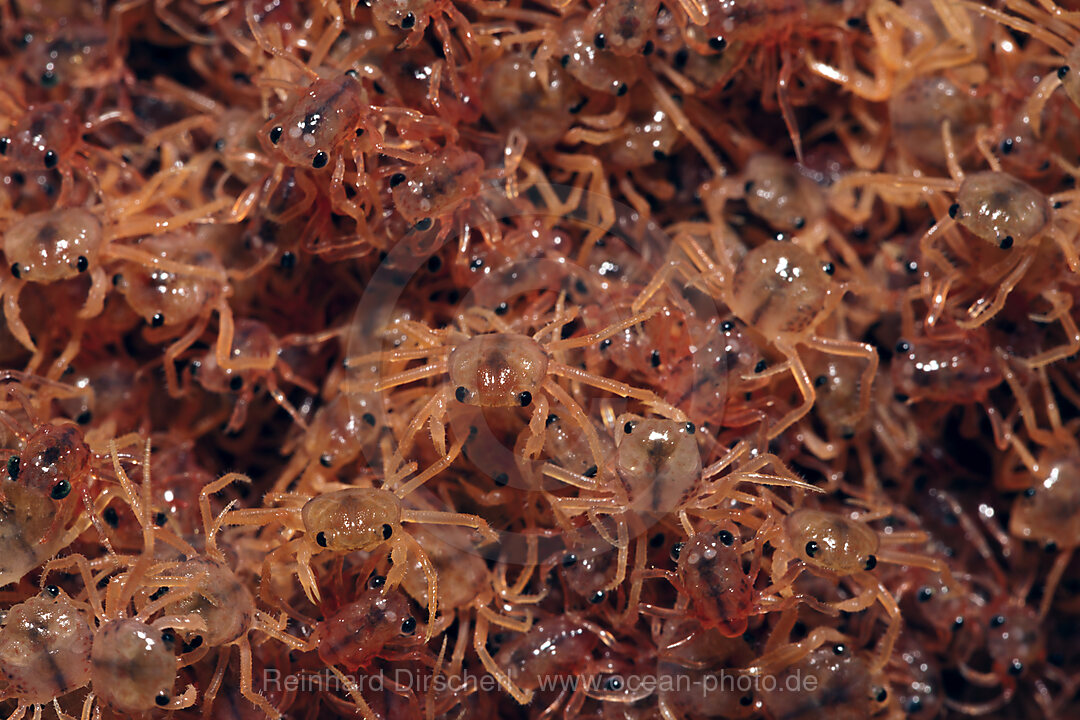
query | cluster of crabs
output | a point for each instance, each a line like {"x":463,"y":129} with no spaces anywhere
{"x":669,"y":359}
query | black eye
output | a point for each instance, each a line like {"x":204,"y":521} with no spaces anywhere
{"x":954,"y":210}
{"x":320,"y":160}
{"x":718,"y":44}
{"x":168,"y":637}
{"x":408,"y":21}
{"x":60,"y":490}
{"x":461,"y":393}
{"x":368,"y":418}
{"x":799,"y":224}
{"x":501,"y":480}
{"x":654,"y":358}
{"x":597,"y":597}
{"x":1007,"y":146}
{"x":811,"y":549}
{"x":326,"y":460}
{"x":1016,"y":667}
{"x":613,"y":684}
{"x":676,"y":549}
{"x":376,"y":581}
{"x":275,"y":134}
{"x":839,"y":649}
{"x":111,"y":517}
{"x":727,"y":326}
{"x":16,"y":271}
{"x":235,"y":383}
{"x":48,"y":79}
{"x":219,"y":144}
{"x":1029,"y":493}
{"x":13,"y":467}
{"x":424,"y":224}
{"x":820,"y":380}
{"x":408,"y":626}
{"x":629,"y":427}
{"x":760,"y":367}
{"x":569,"y":560}
{"x":605,"y":344}
{"x":871,"y":562}
{"x":1006,"y":242}
{"x":726,"y":537}
{"x":829,"y":268}
{"x":551,"y":420}
{"x":320,"y":539}
{"x":158,"y":320}
{"x":525,"y":398}
{"x":903,"y":346}
{"x":387,"y":531}
{"x":162,"y":699}
{"x":159,"y":519}
{"x":1062,"y":72}
{"x":396,"y":179}
{"x":52,"y":590}
{"x":881,"y":694}
{"x":997,"y":621}
{"x":4,"y":142}
{"x":925,"y":594}
{"x":81,"y":263}
{"x":51,"y":159}
{"x":600,"y":41}
{"x":690,"y":429}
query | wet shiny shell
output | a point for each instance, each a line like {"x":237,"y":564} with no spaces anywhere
{"x":26,"y":517}
{"x":54,"y":454}
{"x":779,"y":289}
{"x":434,"y":188}
{"x":45,"y":648}
{"x":551,"y":647}
{"x":996,"y":207}
{"x":176,"y":296}
{"x":516,"y":96}
{"x":44,"y":129}
{"x":131,"y":666}
{"x":918,"y":110}
{"x":353,"y":519}
{"x":778,"y":193}
{"x":496,"y":368}
{"x":355,"y":635}
{"x":1050,"y":511}
{"x":323,"y":118}
{"x":658,"y":462}
{"x":713,"y":576}
{"x":55,"y":245}
{"x":843,"y":545}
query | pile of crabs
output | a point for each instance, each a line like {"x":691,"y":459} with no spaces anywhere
{"x":605,"y":359}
